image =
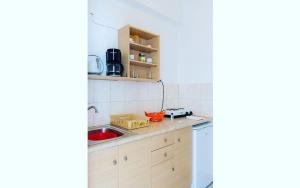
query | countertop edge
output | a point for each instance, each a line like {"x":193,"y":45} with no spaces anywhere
{"x":173,"y":126}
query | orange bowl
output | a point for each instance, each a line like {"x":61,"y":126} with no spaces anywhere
{"x":155,"y":116}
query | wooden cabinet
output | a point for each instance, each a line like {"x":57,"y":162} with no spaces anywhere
{"x":126,"y":166}
{"x":103,"y":169}
{"x":134,"y":165}
{"x":183,"y":158}
{"x":162,"y":161}
{"x":136,"y":42}
{"x":163,"y":175}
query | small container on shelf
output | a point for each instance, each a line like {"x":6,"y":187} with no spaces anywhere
{"x":131,"y":56}
{"x":149,"y":60}
{"x":142,"y":57}
{"x":131,"y":40}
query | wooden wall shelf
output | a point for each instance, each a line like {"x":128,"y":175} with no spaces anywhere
{"x":140,"y":63}
{"x":134,"y":41}
{"x":112,"y":78}
{"x":142,"y":48}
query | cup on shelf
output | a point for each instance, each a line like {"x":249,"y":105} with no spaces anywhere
{"x":149,"y":60}
{"x":131,"y":56}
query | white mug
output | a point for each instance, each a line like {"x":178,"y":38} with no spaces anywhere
{"x":131,"y":57}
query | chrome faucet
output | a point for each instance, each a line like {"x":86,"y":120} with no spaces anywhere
{"x":93,"y":107}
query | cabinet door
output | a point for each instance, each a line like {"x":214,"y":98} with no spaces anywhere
{"x":103,"y":169}
{"x":134,"y":165}
{"x":183,"y":157}
{"x":163,"y":175}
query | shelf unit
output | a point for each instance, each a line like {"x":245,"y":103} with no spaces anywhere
{"x":148,"y":44}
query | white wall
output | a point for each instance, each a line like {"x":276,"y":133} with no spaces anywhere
{"x":171,"y":9}
{"x":195,"y":65}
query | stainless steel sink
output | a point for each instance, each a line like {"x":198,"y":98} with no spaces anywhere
{"x":101,"y":134}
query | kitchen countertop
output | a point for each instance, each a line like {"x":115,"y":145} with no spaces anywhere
{"x":155,"y":128}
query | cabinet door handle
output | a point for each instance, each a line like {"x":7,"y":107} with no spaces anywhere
{"x":173,"y":169}
{"x":125,"y":158}
{"x":179,"y":140}
{"x":165,"y":154}
{"x":166,"y":140}
{"x":114,"y":162}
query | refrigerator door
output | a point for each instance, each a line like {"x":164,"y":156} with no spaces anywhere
{"x":202,"y":156}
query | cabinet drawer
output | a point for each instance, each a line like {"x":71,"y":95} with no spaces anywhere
{"x":183,"y":140}
{"x":162,"y":154}
{"x":161,"y":141}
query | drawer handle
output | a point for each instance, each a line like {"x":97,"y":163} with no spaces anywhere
{"x":179,"y":140}
{"x":173,"y":169}
{"x":125,"y":158}
{"x":166,"y":140}
{"x":166,"y":155}
{"x":114,"y":162}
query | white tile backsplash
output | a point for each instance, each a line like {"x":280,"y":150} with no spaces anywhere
{"x":142,"y":91}
{"x":172,"y":91}
{"x":154,"y":91}
{"x":118,"y":97}
{"x":101,"y":91}
{"x":102,"y":117}
{"x":91,"y":91}
{"x":197,"y":97}
{"x":117,"y":90}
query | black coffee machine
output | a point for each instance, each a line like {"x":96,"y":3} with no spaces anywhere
{"x":113,"y":62}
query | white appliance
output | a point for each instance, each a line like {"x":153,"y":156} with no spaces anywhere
{"x":95,"y":65}
{"x":202,"y":155}
{"x":176,"y":112}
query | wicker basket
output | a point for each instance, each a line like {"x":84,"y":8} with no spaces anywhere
{"x":129,"y":121}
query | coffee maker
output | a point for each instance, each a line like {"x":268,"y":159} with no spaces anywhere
{"x":114,"y":62}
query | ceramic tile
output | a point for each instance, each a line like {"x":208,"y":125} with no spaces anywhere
{"x":124,"y":107}
{"x":117,"y":90}
{"x":103,"y":116}
{"x":130,"y":91}
{"x":91,"y":118}
{"x":207,"y":108}
{"x":91,"y":91}
{"x":142,"y":91}
{"x":101,"y":91}
{"x":171,"y":103}
{"x":154,"y":91}
{"x":185,"y":91}
{"x":171,"y":91}
{"x":151,"y":106}
{"x":206,"y":91}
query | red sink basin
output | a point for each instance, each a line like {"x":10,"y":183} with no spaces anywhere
{"x":103,"y":134}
